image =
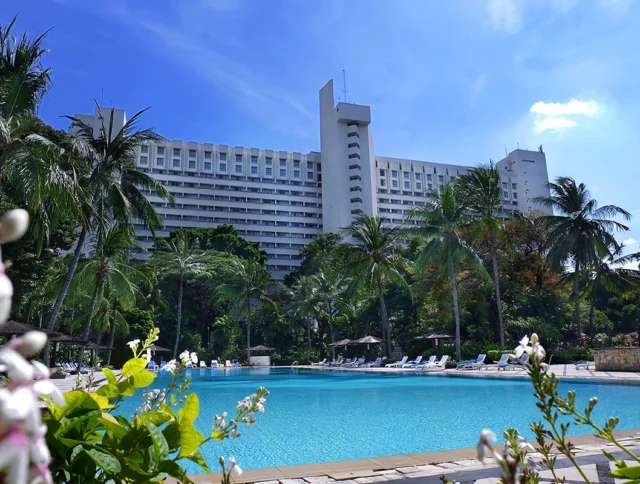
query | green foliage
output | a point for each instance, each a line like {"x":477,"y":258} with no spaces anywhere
{"x":89,"y":443}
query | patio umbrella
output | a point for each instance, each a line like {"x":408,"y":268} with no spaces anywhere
{"x":437,"y":336}
{"x":342,"y":342}
{"x":155,"y":348}
{"x":261,"y":348}
{"x":14,"y":328}
{"x":367,"y":340}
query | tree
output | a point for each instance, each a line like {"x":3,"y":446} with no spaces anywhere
{"x":330,"y":288}
{"x":320,"y":251}
{"x":108,"y":267}
{"x":612,"y":273}
{"x":249,"y":281}
{"x":178,"y":256}
{"x":303,"y":305}
{"x":114,"y":186}
{"x":370,"y":253}
{"x":482,"y":195}
{"x":440,"y":224}
{"x":581,"y":233}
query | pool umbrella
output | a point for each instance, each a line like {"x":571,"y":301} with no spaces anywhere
{"x":342,"y":342}
{"x":14,"y":328}
{"x":155,"y":348}
{"x":261,"y":348}
{"x":367,"y":340}
{"x":437,"y":336}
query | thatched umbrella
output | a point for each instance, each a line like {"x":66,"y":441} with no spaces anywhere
{"x":261,"y":348}
{"x":14,"y":328}
{"x":342,"y":342}
{"x":159,"y":349}
{"x":367,"y":340}
{"x":437,"y":336}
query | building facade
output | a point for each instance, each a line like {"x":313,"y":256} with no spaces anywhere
{"x":283,"y":200}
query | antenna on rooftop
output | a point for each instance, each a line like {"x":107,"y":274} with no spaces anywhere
{"x":506,"y":153}
{"x":344,"y":85}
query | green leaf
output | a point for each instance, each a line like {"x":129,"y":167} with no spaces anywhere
{"x":126,"y":389}
{"x":117,"y":430}
{"x":628,"y":472}
{"x":111,"y":376}
{"x":198,"y":458}
{"x":216,"y":434}
{"x":188,"y":438}
{"x":108,"y":391}
{"x":156,"y":418}
{"x":159,"y":442}
{"x":72,"y":400}
{"x":134,"y":366}
{"x":172,"y":435}
{"x":104,"y":460}
{"x":190,"y":409}
{"x":175,"y":470}
{"x":143,"y":379}
{"x":69,"y":423}
{"x":167,"y":409}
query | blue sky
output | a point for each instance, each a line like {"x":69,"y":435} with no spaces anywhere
{"x":454,"y":81}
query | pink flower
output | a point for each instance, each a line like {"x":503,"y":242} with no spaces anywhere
{"x":523,"y":347}
{"x":234,"y":467}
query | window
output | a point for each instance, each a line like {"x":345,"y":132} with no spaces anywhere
{"x":319,"y":166}
{"x":254,"y":170}
{"x":296,"y":173}
{"x":395,"y":184}
{"x":176,"y":152}
{"x":407,"y":185}
{"x":441,"y":178}
{"x":419,"y":186}
{"x":160,"y":161}
{"x":223,"y":167}
{"x":161,"y":150}
{"x":176,"y":163}
{"x":223,"y":157}
{"x":354,"y":155}
{"x":192,"y":164}
{"x":356,"y":177}
{"x":505,"y":194}
{"x":296,"y":164}
{"x":515,"y":195}
{"x":418,"y":177}
{"x":144,"y":149}
{"x":383,"y":182}
{"x":238,"y":168}
{"x":406,"y":175}
{"x":505,"y":185}
{"x":352,"y":134}
{"x":429,"y":178}
{"x":238,"y":158}
{"x":268,"y":171}
{"x":192,"y":153}
{"x":355,"y":189}
{"x":254,"y":160}
{"x":514,"y":186}
{"x":382,"y":173}
{"x":356,"y":200}
{"x":354,"y":167}
{"x":283,"y":172}
{"x":394,"y":173}
{"x":207,"y":155}
{"x":309,"y":175}
{"x":283,"y":162}
{"x":207,"y":166}
{"x":268,"y":161}
{"x":310,"y":165}
{"x":353,"y":145}
{"x":144,"y":160}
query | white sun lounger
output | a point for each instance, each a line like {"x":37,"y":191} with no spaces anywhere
{"x":582,"y":364}
{"x":319,"y":363}
{"x":413,"y":363}
{"x":430,"y":361}
{"x":440,"y":365}
{"x":397,"y":363}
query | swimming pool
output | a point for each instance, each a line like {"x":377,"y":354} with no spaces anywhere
{"x":323,"y":416}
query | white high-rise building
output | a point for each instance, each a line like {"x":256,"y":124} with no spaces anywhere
{"x":283,"y":200}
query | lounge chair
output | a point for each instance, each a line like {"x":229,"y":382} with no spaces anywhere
{"x":397,"y":363}
{"x":162,"y":364}
{"x":214,"y":364}
{"x":236,"y":363}
{"x":519,"y":363}
{"x":501,"y":364}
{"x":202,"y":365}
{"x":413,"y":363}
{"x":422,"y":364}
{"x":582,"y":364}
{"x":462,"y":365}
{"x":227,"y":364}
{"x":356,"y":362}
{"x":337,"y":362}
{"x":319,"y":363}
{"x":152,"y":365}
{"x":475,"y":365}
{"x":373,"y":364}
{"x":440,"y":365}
{"x":295,"y":363}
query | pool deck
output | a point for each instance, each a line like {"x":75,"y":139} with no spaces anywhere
{"x":460,"y":465}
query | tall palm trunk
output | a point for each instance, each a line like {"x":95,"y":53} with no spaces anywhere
{"x":333,"y":348}
{"x":386,"y":334}
{"x":576,"y":299}
{"x":496,"y":283}
{"x":87,"y":324}
{"x":63,"y":292}
{"x":112,"y":337}
{"x":308,"y":339}
{"x":179,"y":322}
{"x":248,"y":330}
{"x":456,"y":311}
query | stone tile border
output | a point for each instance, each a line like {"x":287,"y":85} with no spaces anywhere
{"x":426,"y":464}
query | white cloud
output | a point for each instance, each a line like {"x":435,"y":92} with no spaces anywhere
{"x":615,"y":6}
{"x":506,"y":15}
{"x":587,"y":108}
{"x":552,"y":124}
{"x":629,"y":241}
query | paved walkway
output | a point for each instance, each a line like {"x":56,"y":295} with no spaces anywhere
{"x":71,"y":381}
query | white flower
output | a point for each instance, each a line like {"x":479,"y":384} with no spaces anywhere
{"x":170,"y":366}
{"x":194,"y":358}
{"x":13,"y":225}
{"x":245,"y":403}
{"x":538,"y":351}
{"x":184,"y":356}
{"x":524,"y":445}
{"x":46,"y":387}
{"x":6,"y":293}
{"x":148,"y":355}
{"x":235,"y":468}
{"x":523,"y":347}
{"x":133,"y":344}
{"x":484,"y":447}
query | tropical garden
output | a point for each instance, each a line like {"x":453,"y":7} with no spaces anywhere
{"x":459,"y":265}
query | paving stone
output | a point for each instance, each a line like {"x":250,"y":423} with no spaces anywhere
{"x":292,"y":481}
{"x":407,"y":470}
{"x":488,"y":480}
{"x":450,"y":465}
{"x":572,"y":474}
{"x":391,"y":472}
{"x":267,"y":482}
{"x":428,"y":471}
{"x":318,"y":479}
{"x":469,"y":463}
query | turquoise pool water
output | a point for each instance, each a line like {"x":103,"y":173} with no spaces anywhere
{"x":322,"y":416}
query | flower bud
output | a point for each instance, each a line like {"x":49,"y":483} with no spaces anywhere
{"x":221,"y":461}
{"x":13,"y":225}
{"x":534,"y":338}
{"x":593,"y":401}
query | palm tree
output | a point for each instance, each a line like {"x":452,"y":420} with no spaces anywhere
{"x":330,"y":288}
{"x":581,"y":233}
{"x":613,"y":274}
{"x":109,"y":266}
{"x":114,"y":186}
{"x":370,"y":253}
{"x":249,"y":281}
{"x":482,"y":194}
{"x":303,"y":305}
{"x":440,"y":224}
{"x":177,"y":255}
